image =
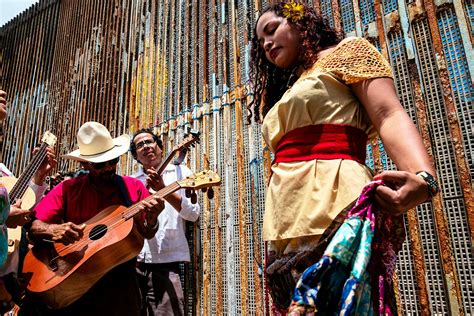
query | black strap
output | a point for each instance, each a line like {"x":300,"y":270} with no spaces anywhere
{"x":123,"y":191}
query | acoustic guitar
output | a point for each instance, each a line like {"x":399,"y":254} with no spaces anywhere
{"x":61,"y":274}
{"x":190,"y":139}
{"x":19,"y":188}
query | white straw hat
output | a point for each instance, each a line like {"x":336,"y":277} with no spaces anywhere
{"x":97,"y":145}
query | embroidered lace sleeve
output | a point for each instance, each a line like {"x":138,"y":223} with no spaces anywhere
{"x":356,"y":60}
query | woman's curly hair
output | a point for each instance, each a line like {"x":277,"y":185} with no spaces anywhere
{"x":269,"y":81}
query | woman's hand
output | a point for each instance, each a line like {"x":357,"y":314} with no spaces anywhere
{"x":402,"y":191}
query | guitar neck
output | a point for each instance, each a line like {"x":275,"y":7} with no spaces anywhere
{"x":24,"y":180}
{"x":166,"y":162}
{"x":134,"y":210}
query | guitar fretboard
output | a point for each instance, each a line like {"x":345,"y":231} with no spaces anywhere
{"x":134,"y":210}
{"x":22,"y":183}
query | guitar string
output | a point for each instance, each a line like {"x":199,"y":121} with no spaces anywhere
{"x":37,"y":159}
{"x":114,"y":223}
{"x":130,"y":212}
{"x":24,"y":184}
{"x":126,"y":215}
{"x":21,"y":185}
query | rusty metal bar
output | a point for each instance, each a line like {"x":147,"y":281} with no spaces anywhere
{"x":463,"y":170}
{"x":336,"y":15}
{"x":131,"y":64}
{"x":236,"y":99}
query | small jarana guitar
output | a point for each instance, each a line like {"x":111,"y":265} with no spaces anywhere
{"x":61,"y":274}
{"x":19,"y":188}
{"x":189,"y":140}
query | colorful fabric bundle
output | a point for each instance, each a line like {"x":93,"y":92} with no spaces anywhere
{"x":354,"y":275}
{"x":4,"y":211}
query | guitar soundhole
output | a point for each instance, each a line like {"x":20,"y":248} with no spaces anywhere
{"x":98,"y":232}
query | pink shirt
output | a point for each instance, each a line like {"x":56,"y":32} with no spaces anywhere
{"x":76,"y":200}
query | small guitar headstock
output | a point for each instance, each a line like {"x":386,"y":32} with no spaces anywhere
{"x":204,"y":179}
{"x":49,"y":138}
{"x":189,"y":139}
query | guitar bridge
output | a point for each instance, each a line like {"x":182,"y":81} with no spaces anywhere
{"x":53,"y":265}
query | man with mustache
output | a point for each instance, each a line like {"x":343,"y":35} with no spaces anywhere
{"x":158,"y":262}
{"x":72,"y":202}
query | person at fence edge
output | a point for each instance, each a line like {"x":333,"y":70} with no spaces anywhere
{"x":320,"y":99}
{"x":72,"y":202}
{"x":159,"y":261}
{"x":13,"y":216}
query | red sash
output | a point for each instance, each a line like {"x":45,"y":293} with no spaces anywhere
{"x":324,"y":141}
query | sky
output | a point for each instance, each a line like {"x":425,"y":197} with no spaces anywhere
{"x":11,"y":8}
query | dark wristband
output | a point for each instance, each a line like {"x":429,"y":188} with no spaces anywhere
{"x":433,"y":186}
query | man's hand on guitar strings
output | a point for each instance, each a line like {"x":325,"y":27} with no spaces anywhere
{"x":67,"y":233}
{"x":153,"y":207}
{"x":154,"y":180}
{"x":47,"y":165}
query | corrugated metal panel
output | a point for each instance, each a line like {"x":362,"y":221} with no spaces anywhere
{"x":131,"y":64}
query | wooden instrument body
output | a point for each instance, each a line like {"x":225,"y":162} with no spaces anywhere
{"x":27,"y":201}
{"x":79,"y":266}
{"x":61,"y":274}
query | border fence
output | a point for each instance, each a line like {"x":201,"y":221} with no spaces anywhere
{"x":174,"y":64}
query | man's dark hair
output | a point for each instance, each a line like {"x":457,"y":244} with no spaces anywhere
{"x":133,"y":148}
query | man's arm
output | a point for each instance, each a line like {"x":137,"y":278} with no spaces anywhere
{"x":182,"y":205}
{"x":147,"y":219}
{"x":17,"y":216}
{"x":67,"y":233}
{"x":48,"y":222}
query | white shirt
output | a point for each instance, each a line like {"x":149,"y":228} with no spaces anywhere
{"x":169,"y":243}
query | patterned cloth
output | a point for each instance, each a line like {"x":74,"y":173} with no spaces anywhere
{"x":4,"y":211}
{"x":354,"y":276}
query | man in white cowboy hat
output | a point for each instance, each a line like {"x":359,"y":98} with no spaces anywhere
{"x":72,"y":202}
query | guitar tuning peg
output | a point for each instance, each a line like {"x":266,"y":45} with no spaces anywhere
{"x":187,"y":192}
{"x":210,"y":193}
{"x":194,"y":198}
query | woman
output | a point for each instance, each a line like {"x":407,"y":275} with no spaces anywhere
{"x":320,"y":99}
